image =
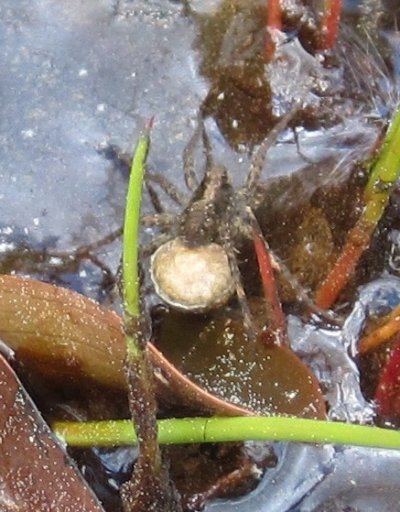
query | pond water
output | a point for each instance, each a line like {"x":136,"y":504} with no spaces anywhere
{"x":78,"y":82}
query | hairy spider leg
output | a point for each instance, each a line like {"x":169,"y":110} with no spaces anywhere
{"x":258,"y":159}
{"x":191,"y":180}
{"x":371,"y":74}
{"x":207,"y":146}
{"x":248,"y":321}
{"x":300,"y":152}
{"x":166,"y":186}
{"x":148,"y":249}
{"x":88,"y":248}
{"x":154,"y":198}
{"x":162,"y":221}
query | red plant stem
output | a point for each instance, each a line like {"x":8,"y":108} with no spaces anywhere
{"x":330,"y":23}
{"x":270,"y":290}
{"x":383,"y":175}
{"x":273,"y":23}
{"x":356,"y":243}
{"x":274,"y":14}
{"x":387,"y":394}
{"x":391,"y":326}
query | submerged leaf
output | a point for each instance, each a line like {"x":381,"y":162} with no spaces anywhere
{"x":36,"y":474}
{"x":218,"y":356}
{"x":69,"y":338}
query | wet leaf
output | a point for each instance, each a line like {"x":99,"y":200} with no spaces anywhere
{"x":218,"y":356}
{"x":68,"y":338}
{"x":35,"y":472}
{"x":60,"y":333}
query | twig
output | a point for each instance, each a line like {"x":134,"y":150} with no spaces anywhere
{"x":273,"y":24}
{"x":387,"y":391}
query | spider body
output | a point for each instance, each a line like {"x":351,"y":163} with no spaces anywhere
{"x":192,"y":271}
{"x":193,"y":266}
{"x":201,"y":220}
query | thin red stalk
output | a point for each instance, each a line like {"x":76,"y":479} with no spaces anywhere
{"x":274,"y":14}
{"x":357,"y":241}
{"x":389,"y":327}
{"x":387,"y":394}
{"x":273,"y":23}
{"x":383,"y":175}
{"x":330,"y":24}
{"x":277,"y":317}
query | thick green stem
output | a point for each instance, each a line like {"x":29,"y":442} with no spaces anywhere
{"x":149,"y":489}
{"x":384,"y":174}
{"x":219,"y":429}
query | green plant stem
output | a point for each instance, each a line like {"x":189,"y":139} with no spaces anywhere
{"x":130,"y":272}
{"x":132,"y":226}
{"x":149,"y":488}
{"x":224,"y":429}
{"x":383,"y":176}
{"x":137,"y":368}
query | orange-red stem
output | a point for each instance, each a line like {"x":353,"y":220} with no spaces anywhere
{"x":356,"y":243}
{"x":274,"y":14}
{"x":390,"y":327}
{"x":330,"y":24}
{"x":277,"y":318}
{"x":273,"y":23}
{"x":387,"y":394}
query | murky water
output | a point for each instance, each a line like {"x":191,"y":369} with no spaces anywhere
{"x":79,"y":80}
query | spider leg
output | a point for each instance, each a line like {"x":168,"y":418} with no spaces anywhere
{"x":191,"y":180}
{"x":301,"y":294}
{"x":154,"y":198}
{"x":280,"y":266}
{"x":108,"y":277}
{"x":166,"y":186}
{"x":207,"y":149}
{"x":299,"y":150}
{"x":152,"y":246}
{"x":248,"y":321}
{"x":258,"y":159}
{"x":162,"y":220}
{"x":88,"y":248}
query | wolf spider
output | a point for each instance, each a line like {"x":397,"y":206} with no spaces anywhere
{"x":193,"y":265}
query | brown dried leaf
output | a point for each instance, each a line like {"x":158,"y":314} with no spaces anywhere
{"x":35,"y":472}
